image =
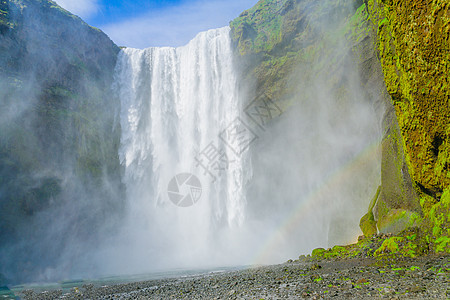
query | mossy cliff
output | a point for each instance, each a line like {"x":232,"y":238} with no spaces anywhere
{"x":414,"y":45}
{"x":58,"y":134}
{"x":414,"y":50}
{"x":275,"y":36}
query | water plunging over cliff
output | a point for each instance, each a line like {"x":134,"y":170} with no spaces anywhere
{"x":177,"y":104}
{"x":207,"y":187}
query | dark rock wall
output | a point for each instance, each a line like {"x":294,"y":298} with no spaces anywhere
{"x":59,"y":135}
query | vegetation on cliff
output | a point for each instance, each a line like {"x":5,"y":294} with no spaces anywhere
{"x":276,"y":36}
{"x":413,"y":42}
{"x":414,"y":195}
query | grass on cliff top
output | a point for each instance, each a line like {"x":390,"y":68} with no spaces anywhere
{"x":21,"y":4}
{"x":266,"y":18}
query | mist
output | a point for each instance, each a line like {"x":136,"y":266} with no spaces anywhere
{"x":58,"y":190}
{"x":317,"y":165}
{"x":304,"y":182}
{"x":102,"y":134}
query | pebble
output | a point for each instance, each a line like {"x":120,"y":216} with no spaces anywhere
{"x":360,"y":278}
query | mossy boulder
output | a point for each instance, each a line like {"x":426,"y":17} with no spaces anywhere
{"x":397,"y":220}
{"x":438,"y":224}
{"x":368,"y":224}
{"x":318,"y":252}
{"x":397,"y":190}
{"x":410,"y":243}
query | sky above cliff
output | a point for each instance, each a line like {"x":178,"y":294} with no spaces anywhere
{"x":142,"y":24}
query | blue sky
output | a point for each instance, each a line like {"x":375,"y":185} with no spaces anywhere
{"x":143,"y":24}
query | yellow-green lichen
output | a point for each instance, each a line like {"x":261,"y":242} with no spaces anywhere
{"x":438,"y":224}
{"x":404,"y":246}
{"x":397,"y":220}
{"x":413,"y":41}
{"x":367,"y":223}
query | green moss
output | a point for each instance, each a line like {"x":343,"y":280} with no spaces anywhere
{"x":439,"y":224}
{"x":442,"y":244}
{"x":340,"y":252}
{"x":410,"y":243}
{"x":401,"y":246}
{"x":275,"y":36}
{"x":398,"y":220}
{"x":367,"y":223}
{"x":318,"y":252}
{"x":356,"y":27}
{"x":259,"y":28}
{"x":413,"y":46}
{"x":389,"y":246}
{"x":5,"y":21}
{"x":382,"y":23}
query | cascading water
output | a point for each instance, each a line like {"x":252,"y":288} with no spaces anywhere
{"x":176,"y":106}
{"x":267,"y":194}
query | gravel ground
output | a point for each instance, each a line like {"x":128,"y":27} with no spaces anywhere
{"x":422,"y":278}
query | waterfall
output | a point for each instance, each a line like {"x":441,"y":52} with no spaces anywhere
{"x":207,"y":187}
{"x":176,"y":107}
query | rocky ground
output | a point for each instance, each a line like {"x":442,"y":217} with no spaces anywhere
{"x":358,"y":278}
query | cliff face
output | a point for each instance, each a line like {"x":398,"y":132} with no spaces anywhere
{"x":413,"y":42}
{"x":58,"y":137}
{"x":276,"y":36}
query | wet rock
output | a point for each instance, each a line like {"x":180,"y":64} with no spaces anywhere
{"x":361,"y":281}
{"x":416,"y":289}
{"x":335,"y":279}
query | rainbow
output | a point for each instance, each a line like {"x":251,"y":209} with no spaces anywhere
{"x":334,"y":180}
